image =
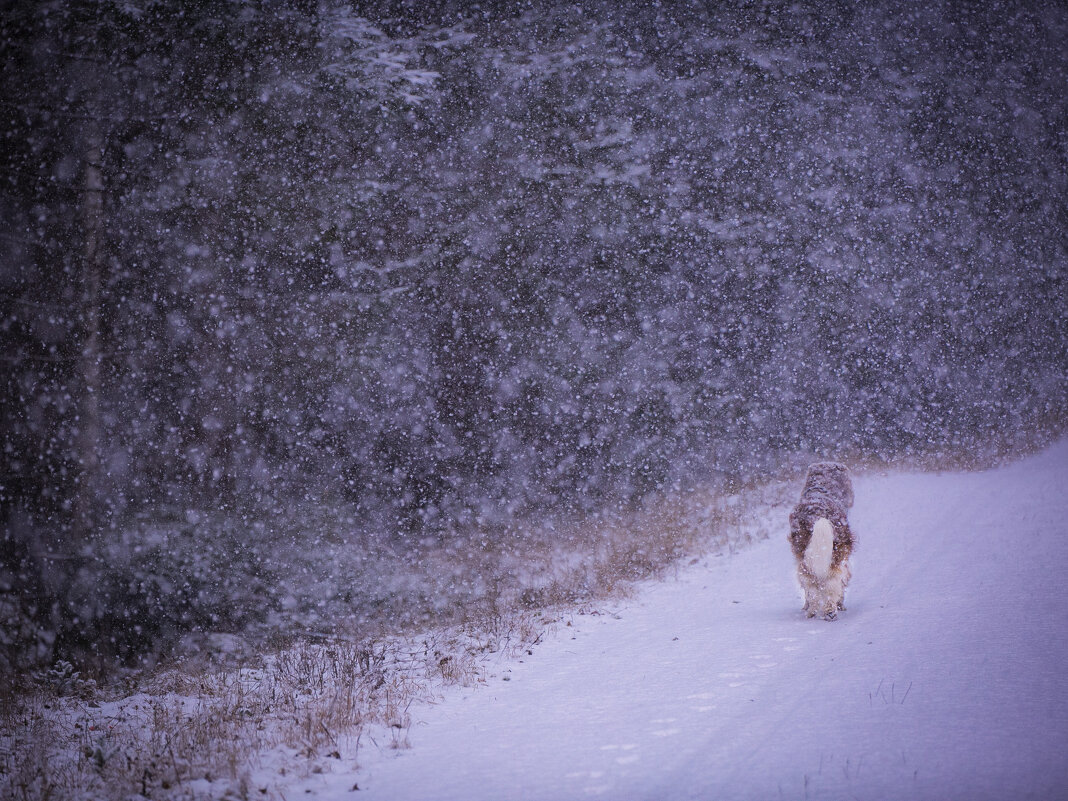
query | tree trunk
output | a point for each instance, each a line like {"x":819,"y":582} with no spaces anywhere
{"x":86,"y":504}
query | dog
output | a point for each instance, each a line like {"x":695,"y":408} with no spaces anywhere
{"x":821,"y":539}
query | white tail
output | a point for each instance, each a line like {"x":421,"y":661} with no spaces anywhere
{"x":820,"y":549}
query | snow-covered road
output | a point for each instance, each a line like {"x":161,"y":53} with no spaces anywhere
{"x":947,"y":677}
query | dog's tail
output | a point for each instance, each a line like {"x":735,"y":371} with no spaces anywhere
{"x":820,"y":549}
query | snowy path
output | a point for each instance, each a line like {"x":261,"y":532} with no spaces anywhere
{"x":947,"y":677}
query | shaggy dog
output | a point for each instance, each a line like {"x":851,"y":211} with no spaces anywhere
{"x":821,"y":539}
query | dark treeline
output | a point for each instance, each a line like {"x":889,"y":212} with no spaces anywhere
{"x":446,"y":266}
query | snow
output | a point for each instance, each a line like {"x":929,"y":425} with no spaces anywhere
{"x":945,"y":677}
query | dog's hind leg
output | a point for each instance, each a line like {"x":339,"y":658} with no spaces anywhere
{"x":834,"y":589}
{"x":813,"y":592}
{"x":846,"y":575}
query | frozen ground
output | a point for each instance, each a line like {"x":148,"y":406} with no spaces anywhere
{"x":946,"y":678}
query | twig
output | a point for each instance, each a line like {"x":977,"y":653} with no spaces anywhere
{"x":174,"y":762}
{"x":906,"y":695}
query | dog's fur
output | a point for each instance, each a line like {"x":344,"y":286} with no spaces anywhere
{"x":827,"y":495}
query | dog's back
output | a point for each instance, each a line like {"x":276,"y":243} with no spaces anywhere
{"x":830,"y":479}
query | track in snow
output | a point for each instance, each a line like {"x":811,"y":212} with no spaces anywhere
{"x":946,"y":678}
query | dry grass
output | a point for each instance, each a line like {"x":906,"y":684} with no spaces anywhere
{"x":203,"y":730}
{"x":235,"y":732}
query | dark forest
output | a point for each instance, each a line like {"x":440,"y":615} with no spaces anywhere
{"x":284,"y":285}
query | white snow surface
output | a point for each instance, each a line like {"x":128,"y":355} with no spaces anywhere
{"x":946,"y":678}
